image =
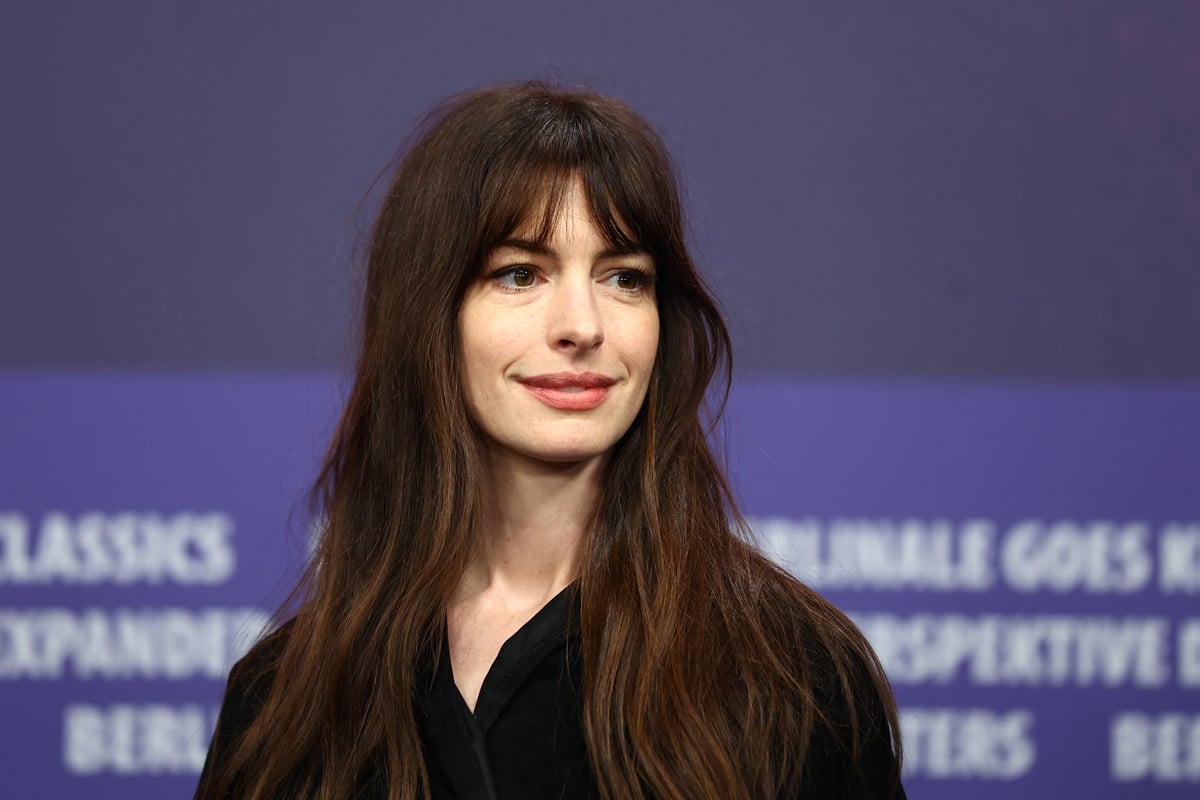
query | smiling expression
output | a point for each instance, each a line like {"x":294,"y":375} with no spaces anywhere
{"x":559,"y":339}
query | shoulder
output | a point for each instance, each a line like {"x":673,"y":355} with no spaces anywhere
{"x":804,"y":622}
{"x":854,"y":748}
{"x":249,"y":683}
{"x":252,"y":676}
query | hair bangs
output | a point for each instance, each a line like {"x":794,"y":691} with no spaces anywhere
{"x":524,"y":197}
{"x":524,"y":191}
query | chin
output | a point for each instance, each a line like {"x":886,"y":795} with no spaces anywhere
{"x":567,"y":455}
{"x":567,"y":452}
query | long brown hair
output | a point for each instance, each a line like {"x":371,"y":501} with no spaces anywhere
{"x":700,"y":679}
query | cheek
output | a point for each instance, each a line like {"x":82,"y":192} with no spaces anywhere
{"x":472,"y":338}
{"x":489,"y":347}
{"x":647,"y":343}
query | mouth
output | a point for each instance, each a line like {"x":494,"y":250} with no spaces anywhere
{"x":569,"y":391}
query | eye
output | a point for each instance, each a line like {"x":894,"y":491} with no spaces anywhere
{"x":630,"y":280}
{"x":515,"y":277}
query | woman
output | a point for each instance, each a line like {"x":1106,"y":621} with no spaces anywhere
{"x":529,"y":586}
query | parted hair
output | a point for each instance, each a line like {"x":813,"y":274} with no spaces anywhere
{"x":699,"y":674}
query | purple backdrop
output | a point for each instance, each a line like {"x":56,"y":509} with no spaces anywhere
{"x":957,"y":245}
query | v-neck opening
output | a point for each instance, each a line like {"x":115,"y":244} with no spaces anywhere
{"x":521,"y":651}
{"x":530,"y":685}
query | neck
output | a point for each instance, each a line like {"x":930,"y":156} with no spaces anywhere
{"x":535,"y":518}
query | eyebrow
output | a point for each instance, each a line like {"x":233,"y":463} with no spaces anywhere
{"x":540,"y":249}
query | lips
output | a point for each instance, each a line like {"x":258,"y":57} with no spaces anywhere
{"x":569,"y":391}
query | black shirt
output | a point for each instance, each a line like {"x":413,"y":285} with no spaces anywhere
{"x":524,"y":740}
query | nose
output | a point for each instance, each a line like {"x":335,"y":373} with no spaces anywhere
{"x":574,"y":316}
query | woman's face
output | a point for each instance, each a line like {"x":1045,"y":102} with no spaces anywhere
{"x":559,"y":340}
